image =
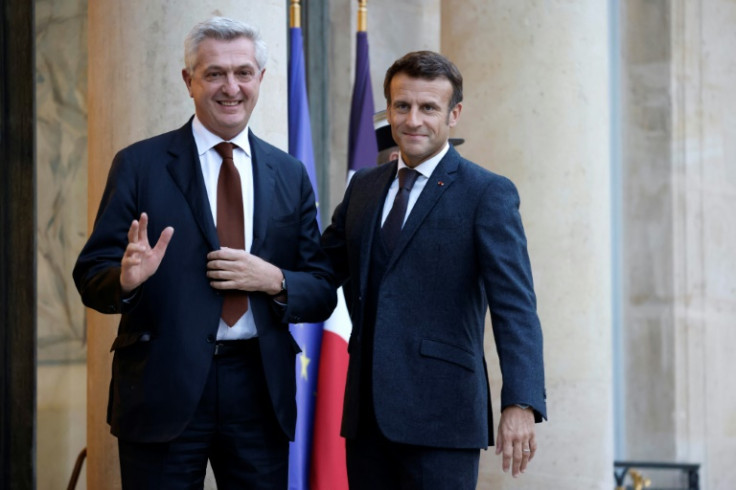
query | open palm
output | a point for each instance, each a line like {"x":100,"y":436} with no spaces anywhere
{"x":140,"y":260}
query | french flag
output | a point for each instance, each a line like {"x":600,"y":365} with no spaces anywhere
{"x":328,"y":451}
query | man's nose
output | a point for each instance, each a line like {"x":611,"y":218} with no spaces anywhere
{"x":413,"y":117}
{"x":230,"y":86}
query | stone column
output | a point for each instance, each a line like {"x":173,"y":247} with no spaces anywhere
{"x":135,"y":91}
{"x":536,"y":109}
{"x":704,"y":225}
{"x":680,"y":233}
{"x":649,"y":245}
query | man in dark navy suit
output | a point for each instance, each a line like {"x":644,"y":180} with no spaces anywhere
{"x":204,"y":361}
{"x":428,"y":243}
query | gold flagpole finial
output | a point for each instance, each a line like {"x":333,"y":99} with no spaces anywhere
{"x":295,"y":14}
{"x":362,"y":16}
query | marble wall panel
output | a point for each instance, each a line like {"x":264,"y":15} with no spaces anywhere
{"x":61,"y":89}
{"x":61,"y":168}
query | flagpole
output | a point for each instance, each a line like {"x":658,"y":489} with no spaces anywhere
{"x":308,"y":336}
{"x":362,"y":15}
{"x":295,"y":14}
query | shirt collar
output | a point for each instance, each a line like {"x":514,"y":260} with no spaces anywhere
{"x":206,"y":139}
{"x":426,"y":167}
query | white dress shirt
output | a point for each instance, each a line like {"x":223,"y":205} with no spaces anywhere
{"x":425,"y":169}
{"x":210,"y":162}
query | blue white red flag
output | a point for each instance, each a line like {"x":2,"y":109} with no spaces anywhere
{"x":328,"y":465}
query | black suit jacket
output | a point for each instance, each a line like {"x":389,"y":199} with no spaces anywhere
{"x":462,"y":249}
{"x":166,"y":336}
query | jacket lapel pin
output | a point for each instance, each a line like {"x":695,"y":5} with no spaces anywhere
{"x":440,"y":183}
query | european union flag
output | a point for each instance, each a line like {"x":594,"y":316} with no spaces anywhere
{"x":308,"y":336}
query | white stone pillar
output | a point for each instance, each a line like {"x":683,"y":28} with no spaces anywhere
{"x":136,"y":53}
{"x":536,"y":109}
{"x":680,"y":233}
{"x":704,"y":184}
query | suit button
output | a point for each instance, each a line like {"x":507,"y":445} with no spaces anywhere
{"x":210,"y":339}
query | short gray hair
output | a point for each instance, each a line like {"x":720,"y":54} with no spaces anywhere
{"x":222,"y":29}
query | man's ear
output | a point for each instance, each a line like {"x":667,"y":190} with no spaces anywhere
{"x":455,"y":114}
{"x":187,"y":80}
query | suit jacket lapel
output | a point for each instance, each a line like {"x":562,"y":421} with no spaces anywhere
{"x":440,"y":180}
{"x":186,"y":171}
{"x":374,"y":207}
{"x":263,"y":189}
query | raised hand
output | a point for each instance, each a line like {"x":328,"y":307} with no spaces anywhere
{"x":140,"y":261}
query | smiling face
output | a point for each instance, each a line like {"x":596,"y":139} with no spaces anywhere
{"x":420,"y":117}
{"x":224,"y":85}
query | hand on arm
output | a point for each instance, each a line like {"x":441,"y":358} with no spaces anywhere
{"x":516,"y":438}
{"x":140,"y":261}
{"x":230,"y":268}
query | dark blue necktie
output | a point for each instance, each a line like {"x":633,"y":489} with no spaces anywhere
{"x":394,"y":221}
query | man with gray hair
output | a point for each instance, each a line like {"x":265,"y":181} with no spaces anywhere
{"x":203,"y":365}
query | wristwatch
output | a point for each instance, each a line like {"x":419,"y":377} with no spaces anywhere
{"x":281,"y":296}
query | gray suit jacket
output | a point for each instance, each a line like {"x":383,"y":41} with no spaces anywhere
{"x":462,"y":250}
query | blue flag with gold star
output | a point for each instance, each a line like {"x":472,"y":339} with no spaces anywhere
{"x":308,"y":336}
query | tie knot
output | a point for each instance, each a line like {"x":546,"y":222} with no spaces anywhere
{"x":407,"y":177}
{"x":225,"y":150}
